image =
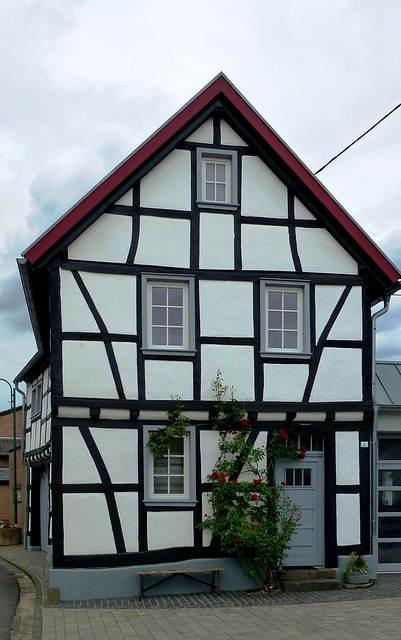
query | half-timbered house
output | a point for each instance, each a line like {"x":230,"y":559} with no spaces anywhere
{"x":211,"y":247}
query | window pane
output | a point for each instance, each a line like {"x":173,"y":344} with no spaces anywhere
{"x":159,"y":315}
{"x":390,"y":448}
{"x":175,"y":296}
{"x":389,"y":500}
{"x":304,"y":440}
{"x":389,"y":552}
{"x":317,"y":442}
{"x":176,"y":485}
{"x":178,"y":447}
{"x":289,"y":477}
{"x":389,"y":478}
{"x":159,"y":335}
{"x":177,"y":466}
{"x":160,"y":485}
{"x":274,"y":319}
{"x":159,"y":295}
{"x":290,"y":340}
{"x":307,"y":477}
{"x":175,"y":337}
{"x":390,"y":527}
{"x":220,"y":192}
{"x":210,"y":171}
{"x":290,"y":300}
{"x":175,"y":317}
{"x":210,"y":195}
{"x":298,"y":477}
{"x":220,"y":172}
{"x":160,"y":465}
{"x":274,"y":300}
{"x":290,"y":320}
{"x":274,"y":339}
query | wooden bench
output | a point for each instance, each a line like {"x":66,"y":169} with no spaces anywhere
{"x":187,"y":573}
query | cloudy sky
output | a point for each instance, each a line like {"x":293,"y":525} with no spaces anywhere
{"x":83,"y":82}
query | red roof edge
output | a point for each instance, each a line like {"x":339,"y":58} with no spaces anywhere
{"x":219,"y":85}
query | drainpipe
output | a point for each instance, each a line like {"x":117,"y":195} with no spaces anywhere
{"x":23,"y":435}
{"x":373,"y":450}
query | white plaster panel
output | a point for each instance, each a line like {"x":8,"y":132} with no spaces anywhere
{"x":73,"y":412}
{"x":266,"y":248}
{"x":87,"y":527}
{"x":319,"y":251}
{"x":237,"y":367}
{"x":206,"y":510}
{"x":86,"y":370}
{"x":126,"y":199}
{"x":78,"y":465}
{"x":263,"y":194}
{"x":127,"y":504}
{"x":119,"y":450}
{"x":203,"y":134}
{"x":226,"y":308}
{"x":108,"y":239}
{"x":164,"y":242}
{"x":75,"y":313}
{"x":347,"y":457}
{"x":168,"y":185}
{"x":114,"y":414}
{"x":164,"y":379}
{"x":301,"y":212}
{"x":115,"y":298}
{"x":339,"y":376}
{"x":126,"y":356}
{"x":348,"y":519}
{"x":209,"y":441}
{"x":284,"y":382}
{"x":170,"y":529}
{"x":229,"y":136}
{"x":348,"y":325}
{"x":216,"y":241}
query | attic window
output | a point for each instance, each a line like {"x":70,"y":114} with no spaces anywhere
{"x":217,"y":178}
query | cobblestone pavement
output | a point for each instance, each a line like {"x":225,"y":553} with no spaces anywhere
{"x":370,"y":613}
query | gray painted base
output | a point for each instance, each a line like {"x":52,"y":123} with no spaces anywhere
{"x":123,"y":582}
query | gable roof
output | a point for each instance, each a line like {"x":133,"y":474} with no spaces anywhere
{"x":388,"y":384}
{"x":219,"y":87}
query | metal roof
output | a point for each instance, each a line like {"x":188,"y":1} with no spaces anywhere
{"x":388,"y":384}
{"x":7,"y":444}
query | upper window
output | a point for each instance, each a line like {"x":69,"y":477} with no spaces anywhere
{"x":168,"y":313}
{"x":285,"y":318}
{"x":217,"y":178}
{"x":36,"y":404}
{"x":171,"y":478}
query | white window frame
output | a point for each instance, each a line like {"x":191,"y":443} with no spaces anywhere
{"x":188,"y":497}
{"x":229,"y":159}
{"x":188,"y":286}
{"x":36,"y":399}
{"x":303,"y":348}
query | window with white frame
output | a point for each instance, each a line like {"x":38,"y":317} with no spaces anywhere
{"x":171,"y":477}
{"x":217,"y":178}
{"x":36,"y":403}
{"x":285,"y":318}
{"x":168,"y":313}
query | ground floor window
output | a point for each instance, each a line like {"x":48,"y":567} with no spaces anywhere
{"x":389,"y":501}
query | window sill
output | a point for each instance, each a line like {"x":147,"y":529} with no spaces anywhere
{"x":169,"y":502}
{"x":169,"y":352}
{"x":225,"y":206}
{"x":285,"y":355}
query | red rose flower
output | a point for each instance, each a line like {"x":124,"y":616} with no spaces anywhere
{"x":252,"y":519}
{"x":215,"y":474}
{"x":254,"y":496}
{"x":218,"y":519}
{"x":257,"y":481}
{"x":253,"y":528}
{"x":278,"y":495}
{"x":283,"y":434}
{"x":235,"y":481}
{"x":282,"y":483}
{"x":234,"y":433}
{"x":244,"y":423}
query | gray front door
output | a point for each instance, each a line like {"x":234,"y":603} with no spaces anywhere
{"x":304,"y":486}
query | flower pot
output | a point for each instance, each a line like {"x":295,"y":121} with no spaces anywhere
{"x":362,"y":577}
{"x":10,"y":535}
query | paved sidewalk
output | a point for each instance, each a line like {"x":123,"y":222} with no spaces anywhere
{"x":372,"y":613}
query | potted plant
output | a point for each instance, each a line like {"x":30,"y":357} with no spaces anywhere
{"x":10,"y":534}
{"x":357,"y":571}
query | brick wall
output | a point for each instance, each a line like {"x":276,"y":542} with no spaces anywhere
{"x":6,"y":490}
{"x":6,"y":423}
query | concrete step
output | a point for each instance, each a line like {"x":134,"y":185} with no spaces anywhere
{"x":320,"y":573}
{"x":321,"y":584}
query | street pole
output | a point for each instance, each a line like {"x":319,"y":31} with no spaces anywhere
{"x":13,"y":409}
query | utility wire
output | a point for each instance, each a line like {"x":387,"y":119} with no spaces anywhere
{"x":357,"y":140}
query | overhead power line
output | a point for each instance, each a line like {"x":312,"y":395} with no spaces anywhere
{"x":357,"y":140}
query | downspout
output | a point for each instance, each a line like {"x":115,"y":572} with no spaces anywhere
{"x":373,"y":449}
{"x":23,"y":435}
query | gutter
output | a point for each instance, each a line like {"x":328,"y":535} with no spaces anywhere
{"x":23,"y":436}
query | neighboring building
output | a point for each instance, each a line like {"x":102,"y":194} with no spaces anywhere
{"x":388,"y":499}
{"x":7,"y":468}
{"x":211,"y":246}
